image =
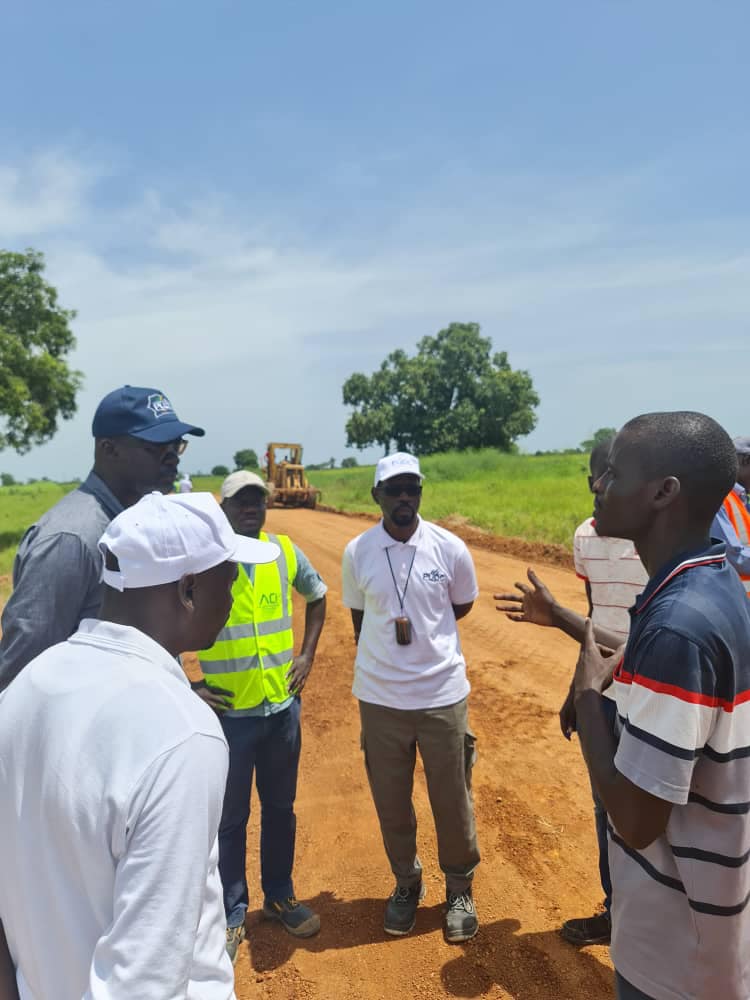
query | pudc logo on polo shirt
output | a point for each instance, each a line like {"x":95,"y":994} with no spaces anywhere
{"x":159,"y":404}
{"x":434,"y":576}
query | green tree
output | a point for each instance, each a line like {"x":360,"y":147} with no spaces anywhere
{"x":6,"y":479}
{"x":220,"y":470}
{"x":350,"y":462}
{"x":603,"y":434}
{"x":245,"y":458}
{"x":454,"y":393}
{"x":37,"y":386}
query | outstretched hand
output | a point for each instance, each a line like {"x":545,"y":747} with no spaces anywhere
{"x":533,"y":603}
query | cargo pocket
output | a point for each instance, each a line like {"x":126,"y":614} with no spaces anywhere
{"x":470,"y":755}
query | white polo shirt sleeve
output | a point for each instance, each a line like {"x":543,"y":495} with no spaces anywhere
{"x":352,"y":595}
{"x":464,"y":588}
{"x":159,"y":939}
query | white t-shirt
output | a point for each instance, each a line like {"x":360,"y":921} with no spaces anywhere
{"x":112,"y":777}
{"x":614,"y":572}
{"x":431,"y":671}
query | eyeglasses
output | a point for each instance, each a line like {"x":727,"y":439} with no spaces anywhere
{"x":160,"y":451}
{"x":410,"y":489}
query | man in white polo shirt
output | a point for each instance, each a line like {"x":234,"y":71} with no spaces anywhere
{"x":112,"y":775}
{"x":407,"y":583}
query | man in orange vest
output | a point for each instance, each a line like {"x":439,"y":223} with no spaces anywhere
{"x":732,"y":523}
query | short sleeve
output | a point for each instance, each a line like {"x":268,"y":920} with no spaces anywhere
{"x":672,"y":710}
{"x":307,"y":581}
{"x":464,"y":588}
{"x":351,"y":595}
{"x":578,"y":561}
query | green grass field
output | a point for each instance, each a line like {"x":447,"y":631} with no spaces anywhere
{"x":540,"y":498}
{"x":537,"y":497}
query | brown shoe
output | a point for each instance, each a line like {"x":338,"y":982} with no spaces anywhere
{"x":588,"y":930}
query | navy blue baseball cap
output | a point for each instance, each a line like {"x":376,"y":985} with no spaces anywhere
{"x":142,"y":413}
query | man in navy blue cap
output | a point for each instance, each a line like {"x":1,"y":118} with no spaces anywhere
{"x":56,"y":575}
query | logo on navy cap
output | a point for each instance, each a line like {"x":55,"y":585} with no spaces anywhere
{"x":159,"y":404}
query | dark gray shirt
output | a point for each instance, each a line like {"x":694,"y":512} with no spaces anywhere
{"x":56,"y":575}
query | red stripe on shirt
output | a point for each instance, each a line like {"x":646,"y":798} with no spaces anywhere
{"x":692,"y":697}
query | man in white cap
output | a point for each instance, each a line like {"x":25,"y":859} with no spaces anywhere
{"x":407,"y":583}
{"x":254,"y":680}
{"x":138,"y":440}
{"x":732,"y":522}
{"x":112,"y":774}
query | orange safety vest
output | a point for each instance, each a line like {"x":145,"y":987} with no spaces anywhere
{"x":739,"y":517}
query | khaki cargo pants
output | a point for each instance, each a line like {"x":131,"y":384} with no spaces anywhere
{"x":390,"y":737}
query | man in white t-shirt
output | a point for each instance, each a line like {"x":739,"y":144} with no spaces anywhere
{"x":407,"y":583}
{"x":614,"y":576}
{"x":112,"y":775}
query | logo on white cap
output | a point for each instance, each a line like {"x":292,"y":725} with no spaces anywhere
{"x":400,"y":464}
{"x":161,"y":538}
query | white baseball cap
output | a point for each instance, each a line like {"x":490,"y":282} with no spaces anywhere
{"x":400,"y":464}
{"x":237,"y":481}
{"x":161,"y":538}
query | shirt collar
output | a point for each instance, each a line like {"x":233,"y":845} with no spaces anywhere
{"x":385,"y":540}
{"x":128,"y":640}
{"x":715,"y":553}
{"x":95,"y":485}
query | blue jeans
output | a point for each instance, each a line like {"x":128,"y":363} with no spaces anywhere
{"x":269,"y":746}
{"x":624,"y":991}
{"x":600,"y":818}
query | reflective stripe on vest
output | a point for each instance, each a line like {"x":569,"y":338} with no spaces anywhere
{"x":739,"y":517}
{"x":253,"y":651}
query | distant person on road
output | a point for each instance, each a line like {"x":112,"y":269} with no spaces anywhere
{"x":185,"y":485}
{"x":732,"y":523}
{"x":407,"y":582}
{"x":254,"y":681}
{"x":112,"y":774}
{"x":138,"y":439}
{"x":614,"y":576}
{"x":675,"y":777}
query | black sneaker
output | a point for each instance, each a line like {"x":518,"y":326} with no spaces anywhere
{"x":588,"y":930}
{"x":235,"y":937}
{"x":294,"y":916}
{"x":461,"y":921}
{"x":401,"y":909}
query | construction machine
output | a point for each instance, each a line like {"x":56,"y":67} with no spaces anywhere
{"x":286,"y":474}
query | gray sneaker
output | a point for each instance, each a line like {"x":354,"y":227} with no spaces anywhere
{"x":401,"y":909}
{"x":235,"y":937}
{"x":297,"y":918}
{"x":461,"y":923}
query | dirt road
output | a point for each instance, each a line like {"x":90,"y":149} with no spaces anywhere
{"x":534,"y":816}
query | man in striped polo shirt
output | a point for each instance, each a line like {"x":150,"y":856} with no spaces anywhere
{"x":676,"y":778}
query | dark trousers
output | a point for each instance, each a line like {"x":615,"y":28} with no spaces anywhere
{"x":624,"y":991}
{"x":268,"y":746}
{"x":600,"y":819}
{"x":390,"y":737}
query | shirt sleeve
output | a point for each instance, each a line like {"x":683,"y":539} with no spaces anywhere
{"x":671,"y":713}
{"x":464,"y":588}
{"x":737,"y":553}
{"x":308,"y":582}
{"x":167,"y":935}
{"x":52,"y":582}
{"x":351,"y":595}
{"x":578,"y":562}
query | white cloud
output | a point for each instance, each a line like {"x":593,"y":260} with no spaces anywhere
{"x":253,"y":333}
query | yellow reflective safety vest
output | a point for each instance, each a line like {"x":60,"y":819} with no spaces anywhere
{"x":739,"y":517}
{"x":253,"y":651}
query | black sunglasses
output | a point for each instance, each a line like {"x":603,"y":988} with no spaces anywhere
{"x":410,"y":489}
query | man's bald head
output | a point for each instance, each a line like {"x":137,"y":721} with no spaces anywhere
{"x":691,"y":447}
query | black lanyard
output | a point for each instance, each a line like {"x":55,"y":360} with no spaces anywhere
{"x":401,"y":598}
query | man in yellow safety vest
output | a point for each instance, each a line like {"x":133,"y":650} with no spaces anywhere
{"x":732,"y":523}
{"x":253,"y":680}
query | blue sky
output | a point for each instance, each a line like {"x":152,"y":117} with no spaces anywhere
{"x":246,"y":203}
